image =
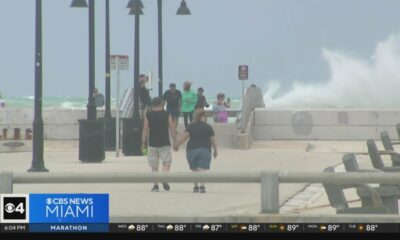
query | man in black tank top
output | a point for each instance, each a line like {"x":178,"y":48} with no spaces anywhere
{"x":157,"y":125}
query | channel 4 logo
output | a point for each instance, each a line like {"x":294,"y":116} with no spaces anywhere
{"x":14,"y":208}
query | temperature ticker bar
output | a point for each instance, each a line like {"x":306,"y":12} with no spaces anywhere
{"x":239,"y":228}
{"x":255,"y":228}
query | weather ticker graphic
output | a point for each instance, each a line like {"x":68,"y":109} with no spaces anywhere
{"x":21,"y":213}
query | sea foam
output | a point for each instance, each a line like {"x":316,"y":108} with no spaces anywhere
{"x":353,"y":82}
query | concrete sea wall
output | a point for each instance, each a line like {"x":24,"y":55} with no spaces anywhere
{"x":325,"y":124}
{"x":62,"y":124}
{"x":59,"y":124}
{"x":315,"y":124}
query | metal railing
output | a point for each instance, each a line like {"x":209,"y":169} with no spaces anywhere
{"x":269,"y":180}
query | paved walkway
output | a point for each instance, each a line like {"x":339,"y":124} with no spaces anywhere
{"x":220,"y":200}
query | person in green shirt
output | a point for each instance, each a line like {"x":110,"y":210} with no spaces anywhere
{"x":189,"y":100}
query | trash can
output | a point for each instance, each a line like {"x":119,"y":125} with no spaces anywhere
{"x":91,"y":140}
{"x":110,"y":126}
{"x":132,"y":137}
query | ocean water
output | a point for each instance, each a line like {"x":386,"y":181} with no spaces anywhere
{"x":70,"y":102}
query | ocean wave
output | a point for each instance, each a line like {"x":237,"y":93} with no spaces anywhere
{"x":353,"y":82}
{"x":72,"y":105}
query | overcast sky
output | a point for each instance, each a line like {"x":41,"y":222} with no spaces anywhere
{"x":278,"y":39}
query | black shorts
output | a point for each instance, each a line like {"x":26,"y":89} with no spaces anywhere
{"x":174,"y":113}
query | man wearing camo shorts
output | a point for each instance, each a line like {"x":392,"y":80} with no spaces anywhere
{"x":156,"y":125}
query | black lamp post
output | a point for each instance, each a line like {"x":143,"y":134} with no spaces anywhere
{"x":132,"y":129}
{"x":91,"y":130}
{"x":183,"y":10}
{"x":160,"y":50}
{"x":37,"y":158}
{"x":136,"y":11}
{"x":108,"y":87}
{"x":110,"y":122}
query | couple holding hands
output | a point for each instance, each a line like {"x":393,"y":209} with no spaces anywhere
{"x":158,"y":125}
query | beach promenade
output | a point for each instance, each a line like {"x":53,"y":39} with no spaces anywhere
{"x":220,"y":200}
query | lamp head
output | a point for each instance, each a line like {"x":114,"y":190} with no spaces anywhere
{"x":136,"y":7}
{"x":183,"y":9}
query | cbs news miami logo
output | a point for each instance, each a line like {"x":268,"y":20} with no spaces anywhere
{"x":54,"y":208}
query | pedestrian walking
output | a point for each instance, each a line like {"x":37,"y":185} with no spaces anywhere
{"x":201,"y":99}
{"x":156,"y":125}
{"x":189,"y":100}
{"x":173,"y":100}
{"x":198,"y":151}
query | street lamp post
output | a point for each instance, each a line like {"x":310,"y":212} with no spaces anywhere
{"x":91,"y":107}
{"x":160,"y":50}
{"x":136,"y":11}
{"x":108,"y":87}
{"x":183,"y":10}
{"x":91,"y":130}
{"x":132,"y":130}
{"x":133,"y":127}
{"x":110,"y":123}
{"x":37,"y":158}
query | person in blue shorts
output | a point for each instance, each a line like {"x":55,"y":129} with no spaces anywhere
{"x":198,"y":151}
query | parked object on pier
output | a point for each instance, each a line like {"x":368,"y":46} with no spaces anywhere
{"x":376,"y":158}
{"x":388,"y":144}
{"x":338,"y":200}
{"x":389,"y":194}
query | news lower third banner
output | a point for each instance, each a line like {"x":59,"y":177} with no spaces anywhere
{"x":57,"y":212}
